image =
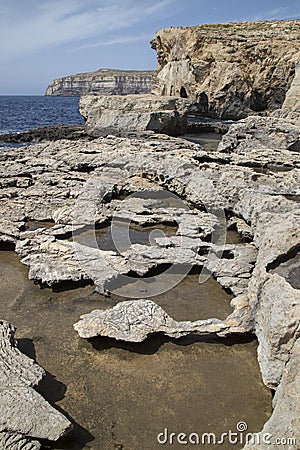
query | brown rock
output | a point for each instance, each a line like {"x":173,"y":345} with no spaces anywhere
{"x":233,"y":69}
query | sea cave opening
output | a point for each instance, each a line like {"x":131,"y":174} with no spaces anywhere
{"x":183,"y":93}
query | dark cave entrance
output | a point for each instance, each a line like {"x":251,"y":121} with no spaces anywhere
{"x":183,"y":93}
{"x":203,"y":102}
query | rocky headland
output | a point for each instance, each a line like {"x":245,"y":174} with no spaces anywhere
{"x":103,"y":82}
{"x":233,"y":69}
{"x":250,"y":183}
{"x":227,"y":71}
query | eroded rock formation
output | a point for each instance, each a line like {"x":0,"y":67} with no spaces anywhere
{"x":291,"y":104}
{"x":232,"y":69}
{"x":264,"y":136}
{"x":25,"y":416}
{"x":254,"y":179}
{"x":135,"y":113}
{"x":227,"y":71}
{"x":135,"y":320}
{"x":286,"y":411}
{"x":103,"y":82}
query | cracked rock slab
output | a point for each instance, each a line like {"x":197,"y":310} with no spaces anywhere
{"x":25,"y":416}
{"x":134,"y":113}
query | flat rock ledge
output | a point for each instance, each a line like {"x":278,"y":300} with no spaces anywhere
{"x":26,"y":416}
{"x":119,"y":114}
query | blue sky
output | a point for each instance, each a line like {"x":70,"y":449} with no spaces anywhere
{"x":41,"y":39}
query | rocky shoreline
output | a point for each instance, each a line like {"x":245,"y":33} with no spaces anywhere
{"x":48,"y":133}
{"x":44,"y":183}
{"x":123,"y":168}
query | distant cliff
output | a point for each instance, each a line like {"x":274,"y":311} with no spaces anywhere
{"x":103,"y":82}
{"x":233,"y":69}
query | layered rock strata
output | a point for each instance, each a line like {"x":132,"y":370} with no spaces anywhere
{"x":25,"y":416}
{"x":103,"y":82}
{"x":135,"y":113}
{"x":232,"y":69}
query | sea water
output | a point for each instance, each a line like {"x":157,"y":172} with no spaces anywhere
{"x":20,"y":113}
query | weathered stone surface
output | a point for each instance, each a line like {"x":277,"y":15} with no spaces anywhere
{"x":284,"y":423}
{"x":25,"y":415}
{"x":274,"y":300}
{"x":233,"y":69}
{"x":135,"y":320}
{"x":14,"y":441}
{"x":61,"y":171}
{"x":276,"y":304}
{"x":234,"y":270}
{"x":289,"y":269}
{"x":15,"y":367}
{"x":241,"y":227}
{"x":134,"y":113}
{"x":77,"y":184}
{"x":264,"y":135}
{"x":291,"y":104}
{"x":50,"y":133}
{"x":9,"y":232}
{"x":277,"y":325}
{"x":103,"y":82}
{"x":52,"y":260}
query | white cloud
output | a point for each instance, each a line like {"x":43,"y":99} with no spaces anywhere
{"x":51,"y":23}
{"x":277,"y":11}
{"x":284,"y":12}
{"x":117,"y":40}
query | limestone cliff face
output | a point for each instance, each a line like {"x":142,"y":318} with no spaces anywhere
{"x":103,"y":82}
{"x":233,"y":69}
{"x":292,"y":98}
